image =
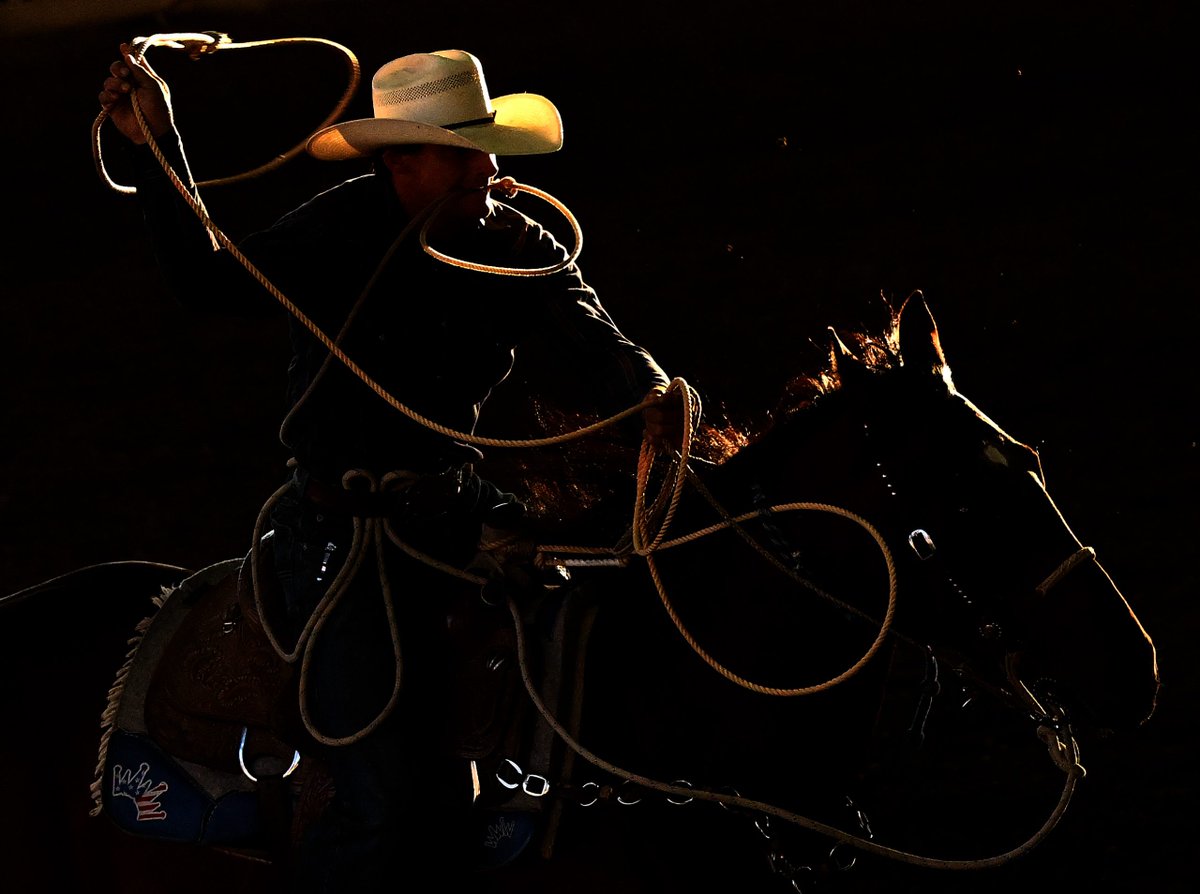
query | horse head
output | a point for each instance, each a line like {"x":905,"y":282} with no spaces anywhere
{"x":991,"y":576}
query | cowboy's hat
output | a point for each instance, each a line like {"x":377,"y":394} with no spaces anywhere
{"x":442,"y":98}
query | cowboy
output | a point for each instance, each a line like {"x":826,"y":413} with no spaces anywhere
{"x":439,"y":337}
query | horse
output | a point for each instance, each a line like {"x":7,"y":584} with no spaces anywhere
{"x":754,"y":680}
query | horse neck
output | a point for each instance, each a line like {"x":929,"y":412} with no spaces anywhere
{"x":816,"y":455}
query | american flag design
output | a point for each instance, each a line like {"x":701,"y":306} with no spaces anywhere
{"x":141,"y":789}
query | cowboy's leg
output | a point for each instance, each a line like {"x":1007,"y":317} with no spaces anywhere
{"x":390,"y":811}
{"x":342,"y":689}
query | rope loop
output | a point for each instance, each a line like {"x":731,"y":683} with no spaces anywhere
{"x":509,"y":188}
{"x":884,"y":626}
{"x":205,"y":43}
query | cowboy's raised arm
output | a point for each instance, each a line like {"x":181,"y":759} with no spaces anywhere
{"x":200,"y":277}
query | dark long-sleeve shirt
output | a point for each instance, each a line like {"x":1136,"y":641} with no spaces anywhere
{"x":436,"y":336}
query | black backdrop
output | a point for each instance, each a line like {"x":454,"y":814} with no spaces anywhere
{"x":745,"y":174}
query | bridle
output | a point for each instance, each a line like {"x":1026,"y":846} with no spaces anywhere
{"x":923,"y":546}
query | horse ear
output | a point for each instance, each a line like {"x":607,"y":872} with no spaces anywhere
{"x":842,"y":361}
{"x":920,"y":346}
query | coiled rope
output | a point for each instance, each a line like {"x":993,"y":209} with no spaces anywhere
{"x":368,"y":536}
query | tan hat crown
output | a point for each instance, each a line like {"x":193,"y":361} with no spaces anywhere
{"x":435,"y":88}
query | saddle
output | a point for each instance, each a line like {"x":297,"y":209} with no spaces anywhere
{"x":196,"y":741}
{"x":222,"y":693}
{"x":203,"y":741}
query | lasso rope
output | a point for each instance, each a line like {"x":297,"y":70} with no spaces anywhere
{"x":853,"y":669}
{"x":206,"y":43}
{"x":1073,"y":772}
{"x":370,"y":532}
{"x":225,"y":242}
{"x":509,"y":188}
{"x":368,"y":535}
{"x":736,"y":522}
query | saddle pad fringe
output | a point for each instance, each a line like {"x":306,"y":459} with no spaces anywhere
{"x":112,"y":708}
{"x":109,"y":715}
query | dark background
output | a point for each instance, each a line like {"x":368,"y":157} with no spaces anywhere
{"x":745,"y":174}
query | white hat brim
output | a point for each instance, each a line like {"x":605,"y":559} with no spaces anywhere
{"x":525,"y":124}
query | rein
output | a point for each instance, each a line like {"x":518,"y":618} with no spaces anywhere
{"x":1072,"y":769}
{"x":1052,"y":729}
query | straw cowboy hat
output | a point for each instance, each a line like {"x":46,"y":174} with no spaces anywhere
{"x":442,"y":98}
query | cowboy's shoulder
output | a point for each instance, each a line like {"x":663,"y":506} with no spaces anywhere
{"x":337,"y":211}
{"x":334,"y":234}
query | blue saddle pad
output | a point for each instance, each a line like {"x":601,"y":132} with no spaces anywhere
{"x":147,"y":792}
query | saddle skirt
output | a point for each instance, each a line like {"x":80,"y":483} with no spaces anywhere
{"x":201,"y":696}
{"x":202,"y":740}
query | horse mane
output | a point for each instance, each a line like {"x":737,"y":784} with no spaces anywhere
{"x":876,"y":351}
{"x":581,"y":474}
{"x":872,"y":350}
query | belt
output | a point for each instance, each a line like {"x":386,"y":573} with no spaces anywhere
{"x":426,"y":495}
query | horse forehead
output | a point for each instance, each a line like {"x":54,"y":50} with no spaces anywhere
{"x":989,"y":424}
{"x":948,"y":407}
